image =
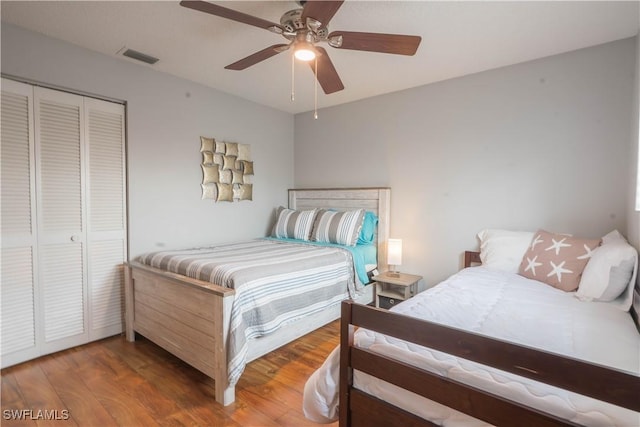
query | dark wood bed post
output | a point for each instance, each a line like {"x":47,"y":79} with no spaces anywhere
{"x":471,"y":258}
{"x":346,"y":373}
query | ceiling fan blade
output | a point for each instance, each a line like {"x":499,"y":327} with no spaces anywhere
{"x":327,"y":75}
{"x":257,"y":57}
{"x":377,"y":42}
{"x":320,"y":10}
{"x":234,"y":15}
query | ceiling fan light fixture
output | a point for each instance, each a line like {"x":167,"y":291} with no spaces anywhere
{"x":304,"y":51}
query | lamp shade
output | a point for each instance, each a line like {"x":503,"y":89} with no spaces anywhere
{"x":394,"y":251}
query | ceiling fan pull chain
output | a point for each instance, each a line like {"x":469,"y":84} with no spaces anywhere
{"x":293,"y":73}
{"x":315,"y":93}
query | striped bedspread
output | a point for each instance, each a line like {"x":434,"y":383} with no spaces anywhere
{"x":275,"y":283}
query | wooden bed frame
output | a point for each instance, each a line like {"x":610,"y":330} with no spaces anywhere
{"x":190,"y":318}
{"x":358,"y":408}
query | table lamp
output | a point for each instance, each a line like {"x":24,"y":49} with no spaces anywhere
{"x":394,"y":256}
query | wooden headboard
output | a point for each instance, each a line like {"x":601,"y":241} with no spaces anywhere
{"x":376,"y":200}
{"x":471,"y":258}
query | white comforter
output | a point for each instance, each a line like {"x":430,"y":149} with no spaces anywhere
{"x":505,"y":306}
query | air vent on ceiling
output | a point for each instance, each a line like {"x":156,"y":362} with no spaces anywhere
{"x":140,"y":56}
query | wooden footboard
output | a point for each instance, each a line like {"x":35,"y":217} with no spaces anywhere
{"x":189,"y":318}
{"x":361,"y":409}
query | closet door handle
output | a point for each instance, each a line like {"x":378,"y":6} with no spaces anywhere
{"x":75,"y":238}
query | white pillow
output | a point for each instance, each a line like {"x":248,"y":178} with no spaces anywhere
{"x":610,"y":273}
{"x":612,"y":237}
{"x":502,"y":249}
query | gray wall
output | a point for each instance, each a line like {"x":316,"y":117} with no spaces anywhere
{"x":547,"y":143}
{"x":633,"y":227}
{"x":540,"y":144}
{"x":166,"y":117}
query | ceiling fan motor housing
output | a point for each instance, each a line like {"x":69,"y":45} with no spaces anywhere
{"x":291,"y":21}
{"x":309,"y":30}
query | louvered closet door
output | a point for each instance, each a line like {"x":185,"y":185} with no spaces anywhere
{"x":106,"y":216}
{"x":62,"y":258}
{"x":63,"y":220}
{"x":17,"y":225}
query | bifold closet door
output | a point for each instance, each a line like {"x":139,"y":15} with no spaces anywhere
{"x":107,"y":243}
{"x":18,"y":276}
{"x":62,"y":233}
{"x":63,"y":220}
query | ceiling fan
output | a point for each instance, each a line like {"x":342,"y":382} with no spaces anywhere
{"x":305,"y":28}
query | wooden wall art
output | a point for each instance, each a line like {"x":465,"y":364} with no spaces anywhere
{"x":227,"y":169}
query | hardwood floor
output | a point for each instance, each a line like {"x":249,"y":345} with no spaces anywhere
{"x":116,"y":383}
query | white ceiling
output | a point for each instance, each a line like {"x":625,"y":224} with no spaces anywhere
{"x":458,"y":38}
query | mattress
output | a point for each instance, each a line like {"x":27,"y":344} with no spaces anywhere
{"x":508,"y":307}
{"x":275,"y":283}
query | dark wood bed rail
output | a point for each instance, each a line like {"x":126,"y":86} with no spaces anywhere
{"x":471,"y":258}
{"x":358,"y":408}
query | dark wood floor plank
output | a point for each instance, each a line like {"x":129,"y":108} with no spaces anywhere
{"x":263,"y":398}
{"x":16,"y":419}
{"x":107,"y":363}
{"x":191,"y":390}
{"x":119,"y":404}
{"x":130,"y":383}
{"x":79,"y":400}
{"x":116,"y":383}
{"x":209,"y":415}
{"x":132,"y":352}
{"x":178,"y":387}
{"x":180,"y":419}
{"x":13,"y":401}
{"x":295,"y":373}
{"x":11,"y":391}
{"x":40,"y":396}
{"x":296,"y":419}
{"x":245,"y":415}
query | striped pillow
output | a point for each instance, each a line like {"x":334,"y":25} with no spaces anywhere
{"x":338,"y":227}
{"x":292,"y":224}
